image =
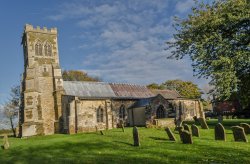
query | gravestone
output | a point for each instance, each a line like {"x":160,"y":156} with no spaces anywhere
{"x":219,"y":132}
{"x":101,"y":132}
{"x":186,"y":127}
{"x":178,"y":123}
{"x":246,"y":127}
{"x":123,"y":128}
{"x":186,"y":137}
{"x":196,"y":120}
{"x":170,"y":134}
{"x":136,"y":136}
{"x":203,"y":123}
{"x":6,"y":144}
{"x":179,"y":129}
{"x":239,"y":134}
{"x":195,"y":130}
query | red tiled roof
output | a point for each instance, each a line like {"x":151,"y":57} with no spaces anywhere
{"x":131,"y":90}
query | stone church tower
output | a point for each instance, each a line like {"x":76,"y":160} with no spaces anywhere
{"x":42,"y":84}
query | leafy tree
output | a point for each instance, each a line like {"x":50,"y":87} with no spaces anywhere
{"x":185,"y":88}
{"x":217,"y":39}
{"x":155,"y":86}
{"x":72,"y":75}
{"x":11,"y":107}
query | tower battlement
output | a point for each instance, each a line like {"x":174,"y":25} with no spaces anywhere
{"x":29,"y":27}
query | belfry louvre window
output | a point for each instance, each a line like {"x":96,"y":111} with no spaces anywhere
{"x":122,"y":112}
{"x":99,"y":115}
{"x":47,"y":49}
{"x":160,"y":113}
{"x":38,"y":49}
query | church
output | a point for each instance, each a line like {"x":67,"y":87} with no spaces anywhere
{"x":50,"y":105}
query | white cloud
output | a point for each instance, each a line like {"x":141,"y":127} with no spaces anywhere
{"x":127,"y":40}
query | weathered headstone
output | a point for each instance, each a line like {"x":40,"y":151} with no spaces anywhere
{"x":6,"y":144}
{"x":179,"y":129}
{"x":219,"y":132}
{"x":186,"y":137}
{"x":246,"y":127}
{"x":196,"y":120}
{"x":123,"y":128}
{"x":195,"y":130}
{"x":101,"y":132}
{"x":136,"y":136}
{"x":239,"y":134}
{"x":178,"y":123}
{"x":203,"y":123}
{"x":186,"y":127}
{"x":170,"y":134}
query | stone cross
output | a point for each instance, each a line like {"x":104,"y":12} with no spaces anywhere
{"x":170,"y":134}
{"x":219,"y":132}
{"x":6,"y":144}
{"x":239,"y":134}
{"x":246,"y":127}
{"x":195,"y":130}
{"x":203,"y":123}
{"x":186,"y":127}
{"x":186,"y":137}
{"x":136,"y":136}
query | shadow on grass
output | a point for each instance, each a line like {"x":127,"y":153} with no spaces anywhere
{"x":125,"y":143}
{"x":159,"y":138}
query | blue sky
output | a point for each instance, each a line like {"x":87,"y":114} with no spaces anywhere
{"x":119,"y":41}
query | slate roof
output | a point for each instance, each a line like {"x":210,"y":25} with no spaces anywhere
{"x":88,"y":89}
{"x":131,"y":91}
{"x":92,"y":90}
{"x":167,"y":94}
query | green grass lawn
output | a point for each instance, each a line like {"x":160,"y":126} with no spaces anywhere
{"x":116,"y":147}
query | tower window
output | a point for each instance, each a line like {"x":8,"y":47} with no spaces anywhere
{"x":99,"y":115}
{"x":47,"y":49}
{"x":38,"y":49}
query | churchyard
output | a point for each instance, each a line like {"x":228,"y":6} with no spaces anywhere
{"x":116,"y":146}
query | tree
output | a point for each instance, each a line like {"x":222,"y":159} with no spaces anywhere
{"x":11,"y":107}
{"x":72,"y":75}
{"x":155,"y":86}
{"x":216,"y":37}
{"x":185,"y":88}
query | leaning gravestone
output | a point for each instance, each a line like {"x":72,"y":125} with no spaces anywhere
{"x":186,"y":127}
{"x":203,"y":123}
{"x":239,"y":134}
{"x":195,"y":130}
{"x":196,"y":120}
{"x":102,"y":132}
{"x":170,"y":134}
{"x":136,"y":136}
{"x":6,"y":144}
{"x":219,"y":132}
{"x":186,"y":137}
{"x":179,"y":129}
{"x":246,"y":127}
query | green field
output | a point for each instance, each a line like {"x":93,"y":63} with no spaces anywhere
{"x":116,"y":147}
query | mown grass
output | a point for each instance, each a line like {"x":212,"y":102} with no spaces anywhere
{"x":116,"y":147}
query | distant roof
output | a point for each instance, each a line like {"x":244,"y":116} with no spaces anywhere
{"x":131,"y":90}
{"x":167,"y":94}
{"x":88,"y":89}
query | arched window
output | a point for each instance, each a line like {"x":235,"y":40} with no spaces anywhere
{"x":122,"y":112}
{"x":38,"y":48}
{"x":47,"y":49}
{"x":160,"y":113}
{"x":99,"y":114}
